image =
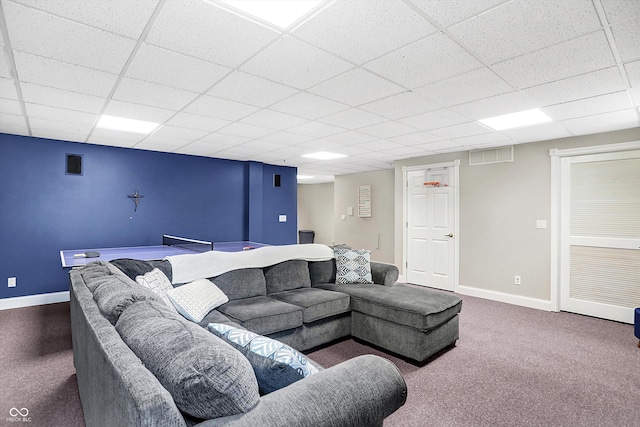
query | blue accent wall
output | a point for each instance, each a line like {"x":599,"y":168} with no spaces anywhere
{"x":44,"y":210}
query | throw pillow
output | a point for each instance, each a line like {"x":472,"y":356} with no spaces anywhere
{"x":206,"y":377}
{"x":194,"y":300}
{"x":158,"y":283}
{"x":353,"y":266}
{"x":276,"y":365}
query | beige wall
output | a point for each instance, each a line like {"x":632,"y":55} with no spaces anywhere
{"x":375,"y":233}
{"x":315,"y":211}
{"x":499,"y":206}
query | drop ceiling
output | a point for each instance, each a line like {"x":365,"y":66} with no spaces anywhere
{"x":377,"y":80}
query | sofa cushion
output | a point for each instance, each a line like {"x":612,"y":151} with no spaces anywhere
{"x":275,"y":364}
{"x":158,"y":283}
{"x":316,"y":304}
{"x":206,"y":377}
{"x":353,"y":266}
{"x":242,"y":283}
{"x":322,"y":271}
{"x":113,"y":295}
{"x":292,"y":274}
{"x":194,"y":300}
{"x":419,"y":308}
{"x":136,"y":267}
{"x":263,"y":314}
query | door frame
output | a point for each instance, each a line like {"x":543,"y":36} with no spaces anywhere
{"x":556,"y":207}
{"x":456,"y":213}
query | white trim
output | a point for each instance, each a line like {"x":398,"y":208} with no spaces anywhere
{"x":595,"y":149}
{"x":536,"y":303}
{"x":32,"y":300}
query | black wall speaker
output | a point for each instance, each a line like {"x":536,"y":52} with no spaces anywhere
{"x":276,"y":180}
{"x":74,"y":164}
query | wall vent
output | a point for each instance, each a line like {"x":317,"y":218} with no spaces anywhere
{"x":491,"y":155}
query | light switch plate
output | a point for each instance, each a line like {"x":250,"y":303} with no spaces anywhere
{"x":282,"y":218}
{"x":541,"y":223}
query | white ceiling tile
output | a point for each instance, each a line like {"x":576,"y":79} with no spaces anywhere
{"x":260,"y":145}
{"x":428,"y":60}
{"x":119,"y":16}
{"x":47,"y":72}
{"x":246,"y":130}
{"x":137,"y":111}
{"x":448,"y":12}
{"x":61,"y":98}
{"x":320,"y":145}
{"x":82,"y":119}
{"x":273,"y":120}
{"x":484,"y":140}
{"x":152,"y":94}
{"x":633,"y":72}
{"x":309,"y":106}
{"x":199,"y":29}
{"x":416,"y":138}
{"x":461,"y":130}
{"x":8,"y":89}
{"x":627,"y":37}
{"x":361,"y":30}
{"x":12,"y":123}
{"x":494,"y":106}
{"x":356,"y":87}
{"x":316,"y":129}
{"x":578,"y":56}
{"x":353,"y":118}
{"x":404,"y":152}
{"x":624,"y":119}
{"x":388,"y":129}
{"x":161,"y":143}
{"x":581,"y":86}
{"x":220,"y":108}
{"x":470,"y":86}
{"x":10,"y":106}
{"x":223,"y":140}
{"x":350,"y":137}
{"x":620,"y":10}
{"x":540,"y":132}
{"x":401,"y":105}
{"x":298,"y":64}
{"x":176,"y":132}
{"x":523,"y":26}
{"x":243,"y":87}
{"x":286,"y":138}
{"x":162,"y":66}
{"x":195,"y":121}
{"x":379,"y":145}
{"x":435,"y":119}
{"x":197,"y":148}
{"x":41,"y":129}
{"x":590,"y":106}
{"x":4,"y":67}
{"x":65,"y":40}
{"x":115,"y":138}
{"x":442,"y":146}
{"x":79,"y":129}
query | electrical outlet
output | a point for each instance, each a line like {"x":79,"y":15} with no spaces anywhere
{"x":11,"y":282}
{"x":517,"y":280}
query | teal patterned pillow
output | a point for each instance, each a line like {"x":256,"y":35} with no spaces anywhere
{"x":353,"y":266}
{"x":276,"y":365}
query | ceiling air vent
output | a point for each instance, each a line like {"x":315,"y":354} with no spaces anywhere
{"x":491,"y":155}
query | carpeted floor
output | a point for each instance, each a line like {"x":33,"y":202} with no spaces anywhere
{"x":512,"y":366}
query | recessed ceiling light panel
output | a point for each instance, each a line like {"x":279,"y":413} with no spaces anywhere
{"x":126,"y":125}
{"x":516,"y":120}
{"x":324,"y":155}
{"x":279,"y":13}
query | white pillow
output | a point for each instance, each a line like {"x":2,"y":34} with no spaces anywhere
{"x":158,"y":283}
{"x":194,"y":300}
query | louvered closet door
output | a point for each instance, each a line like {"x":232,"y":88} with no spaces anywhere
{"x":600,"y":235}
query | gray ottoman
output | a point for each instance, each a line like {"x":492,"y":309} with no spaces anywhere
{"x":413,"y":322}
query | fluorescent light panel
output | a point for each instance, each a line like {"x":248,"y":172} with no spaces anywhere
{"x":281,"y":13}
{"x":324,"y":155}
{"x":516,"y":120}
{"x":126,"y":125}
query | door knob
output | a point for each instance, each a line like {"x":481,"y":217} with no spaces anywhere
{"x":448,"y":235}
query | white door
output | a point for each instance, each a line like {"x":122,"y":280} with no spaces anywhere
{"x":430,"y":226}
{"x":600,"y":235}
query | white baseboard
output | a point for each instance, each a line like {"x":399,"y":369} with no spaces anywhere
{"x":31,"y":300}
{"x":536,"y":303}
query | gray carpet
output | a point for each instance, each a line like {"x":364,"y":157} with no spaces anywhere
{"x":512,"y":366}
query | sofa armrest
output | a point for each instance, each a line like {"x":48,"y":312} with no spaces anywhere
{"x":383,"y":273}
{"x":362,"y":391}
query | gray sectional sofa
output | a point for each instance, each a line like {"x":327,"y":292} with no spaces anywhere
{"x":124,"y":334}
